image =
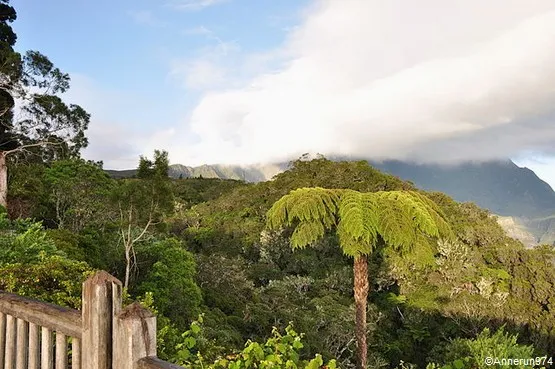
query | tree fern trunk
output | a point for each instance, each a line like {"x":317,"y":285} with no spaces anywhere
{"x":360,"y":269}
{"x":3,"y":180}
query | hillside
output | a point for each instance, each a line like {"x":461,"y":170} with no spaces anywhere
{"x":499,"y":186}
{"x":214,"y":255}
{"x":524,"y":203}
{"x":482,"y":270}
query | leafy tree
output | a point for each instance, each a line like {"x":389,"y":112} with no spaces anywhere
{"x":171,"y":281}
{"x":22,"y":240}
{"x":474,"y":353}
{"x":53,"y":278}
{"x":45,"y":124}
{"x":401,"y":219}
{"x":78,"y":191}
{"x":31,"y":265}
{"x":141,"y":204}
{"x":154,"y":168}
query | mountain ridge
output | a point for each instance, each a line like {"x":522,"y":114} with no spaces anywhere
{"x":523,"y":202}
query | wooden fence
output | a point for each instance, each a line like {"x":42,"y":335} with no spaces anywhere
{"x":35,"y":334}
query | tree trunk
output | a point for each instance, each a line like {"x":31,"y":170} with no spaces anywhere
{"x":127,"y":265}
{"x":3,"y":180}
{"x":360,"y":269}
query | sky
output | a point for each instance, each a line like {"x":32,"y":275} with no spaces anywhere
{"x":256,"y":81}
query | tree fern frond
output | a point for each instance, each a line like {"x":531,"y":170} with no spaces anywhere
{"x":352,"y":247}
{"x":276,"y":217}
{"x":428,"y":202}
{"x":358,"y":222}
{"x":312,"y":204}
{"x":402,"y":218}
{"x":395,"y":224}
{"x":439,"y":218}
{"x":307,"y":233}
{"x":351,"y":213}
{"x":314,"y":209}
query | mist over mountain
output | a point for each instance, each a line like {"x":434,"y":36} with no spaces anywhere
{"x":499,"y":186}
{"x":252,"y":173}
{"x":524,"y":203}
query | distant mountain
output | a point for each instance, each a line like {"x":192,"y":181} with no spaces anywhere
{"x":252,"y":173}
{"x":119,"y":174}
{"x":524,"y":203}
{"x":500,"y":186}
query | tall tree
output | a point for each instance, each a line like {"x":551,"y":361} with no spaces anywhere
{"x":142,"y":203}
{"x":158,"y":168}
{"x":399,"y":219}
{"x":44,"y":124}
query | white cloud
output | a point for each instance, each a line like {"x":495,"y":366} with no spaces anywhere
{"x":428,"y":80}
{"x":116,"y":135}
{"x":198,"y":74}
{"x":206,"y":70}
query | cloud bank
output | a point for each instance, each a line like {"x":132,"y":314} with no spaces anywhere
{"x":431,"y":81}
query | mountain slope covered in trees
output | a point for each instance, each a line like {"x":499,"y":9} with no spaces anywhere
{"x":524,"y":203}
{"x":212,"y":254}
{"x":499,"y":186}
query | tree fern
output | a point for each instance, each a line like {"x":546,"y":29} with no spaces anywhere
{"x":305,"y":205}
{"x":307,"y":233}
{"x":401,"y":218}
{"x":358,"y":227}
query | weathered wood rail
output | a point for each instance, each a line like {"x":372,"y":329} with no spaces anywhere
{"x":35,"y":334}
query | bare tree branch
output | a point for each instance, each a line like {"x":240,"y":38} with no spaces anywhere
{"x":24,"y":147}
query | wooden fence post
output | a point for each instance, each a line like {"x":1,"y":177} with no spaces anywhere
{"x":135,"y":336}
{"x":101,"y":303}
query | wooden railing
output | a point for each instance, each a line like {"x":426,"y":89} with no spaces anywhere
{"x":35,"y":334}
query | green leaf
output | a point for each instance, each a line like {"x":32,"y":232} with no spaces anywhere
{"x":190,"y":342}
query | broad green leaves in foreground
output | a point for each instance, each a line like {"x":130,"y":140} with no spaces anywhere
{"x":279,"y":351}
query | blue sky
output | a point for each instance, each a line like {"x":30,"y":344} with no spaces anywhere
{"x":131,"y":50}
{"x":248,"y":81}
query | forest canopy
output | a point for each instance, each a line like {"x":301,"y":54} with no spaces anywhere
{"x":211,"y":253}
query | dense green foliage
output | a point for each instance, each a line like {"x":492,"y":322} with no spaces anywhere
{"x":171,"y":281}
{"x":32,"y":265}
{"x":474,"y":353}
{"x":279,"y":351}
{"x":210,"y":253}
